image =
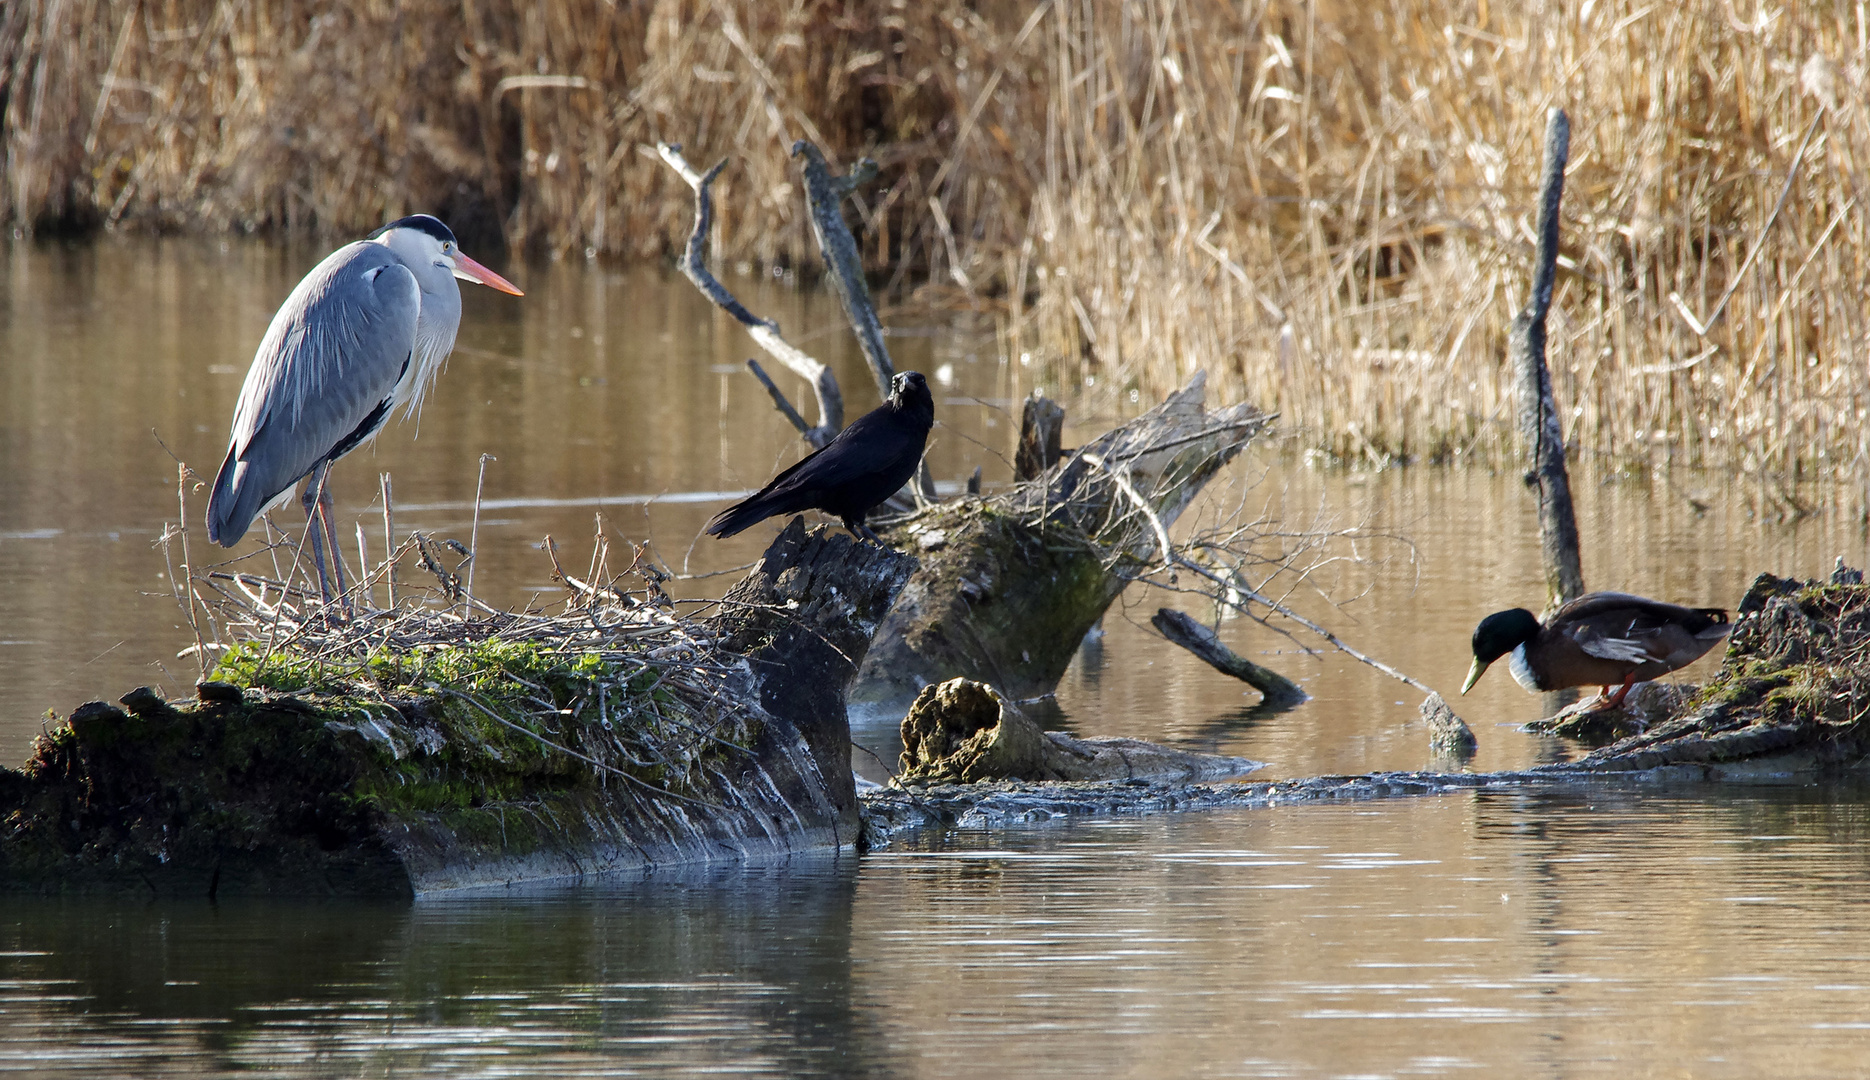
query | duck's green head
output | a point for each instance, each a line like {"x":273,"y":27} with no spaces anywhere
{"x":1497,"y":635}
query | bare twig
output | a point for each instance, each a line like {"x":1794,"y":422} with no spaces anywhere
{"x":779,"y":399}
{"x":389,"y":536}
{"x":474,"y":531}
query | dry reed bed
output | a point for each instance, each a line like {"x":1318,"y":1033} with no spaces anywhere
{"x":1328,"y":204}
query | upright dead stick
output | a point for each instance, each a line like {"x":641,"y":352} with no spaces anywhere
{"x":389,"y":537}
{"x":1538,"y":413}
{"x":825,"y":193}
{"x":188,"y":571}
{"x":765,"y":332}
{"x":474,"y":538}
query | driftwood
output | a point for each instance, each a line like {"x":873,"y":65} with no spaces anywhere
{"x":258,"y":791}
{"x":1183,"y":630}
{"x":962,"y":731}
{"x":825,"y":193}
{"x":1010,"y":583}
{"x":1588,"y":722}
{"x":1539,"y":423}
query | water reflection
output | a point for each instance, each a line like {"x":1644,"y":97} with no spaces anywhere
{"x":1504,"y":933}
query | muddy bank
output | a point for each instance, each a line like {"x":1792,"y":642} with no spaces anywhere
{"x":484,"y":762}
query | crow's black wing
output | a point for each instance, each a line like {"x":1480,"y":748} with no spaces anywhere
{"x":861,"y":452}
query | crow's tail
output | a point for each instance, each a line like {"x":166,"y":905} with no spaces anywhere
{"x":742,"y":516}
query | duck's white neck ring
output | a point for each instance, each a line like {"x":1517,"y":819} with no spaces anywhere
{"x":1522,"y":671}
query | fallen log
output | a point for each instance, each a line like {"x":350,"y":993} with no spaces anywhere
{"x":1275,"y":689}
{"x":1010,"y":583}
{"x":962,"y":731}
{"x":484,"y":760}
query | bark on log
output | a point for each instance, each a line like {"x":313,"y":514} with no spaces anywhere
{"x":1183,"y":630}
{"x":1009,"y":584}
{"x":962,"y":731}
{"x":263,"y":793}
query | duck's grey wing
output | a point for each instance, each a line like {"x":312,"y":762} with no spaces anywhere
{"x":321,"y":380}
{"x":1637,"y":630}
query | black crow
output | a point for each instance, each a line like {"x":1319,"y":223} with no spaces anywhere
{"x":865,"y":464}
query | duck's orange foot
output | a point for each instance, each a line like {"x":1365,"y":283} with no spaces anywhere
{"x":1609,"y":700}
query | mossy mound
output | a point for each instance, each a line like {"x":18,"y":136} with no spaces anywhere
{"x":290,"y":776}
{"x":1792,"y":692}
{"x":413,"y":749}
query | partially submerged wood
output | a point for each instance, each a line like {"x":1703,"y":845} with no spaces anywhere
{"x":1449,"y":736}
{"x":962,"y":731}
{"x":486,"y":761}
{"x":1010,"y":583}
{"x":1792,"y":694}
{"x":1791,"y":700}
{"x":1182,"y":629}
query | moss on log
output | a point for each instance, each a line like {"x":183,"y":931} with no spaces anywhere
{"x":470,"y":764}
{"x":1792,"y":693}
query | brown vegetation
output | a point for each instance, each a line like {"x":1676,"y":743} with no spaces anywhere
{"x":1328,"y":204}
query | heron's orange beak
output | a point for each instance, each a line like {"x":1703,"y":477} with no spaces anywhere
{"x":468,"y":270}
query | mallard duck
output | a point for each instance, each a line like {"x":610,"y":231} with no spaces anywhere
{"x":1600,"y":639}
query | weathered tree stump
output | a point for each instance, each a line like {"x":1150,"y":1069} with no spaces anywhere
{"x":1010,"y":583}
{"x":1041,"y":429}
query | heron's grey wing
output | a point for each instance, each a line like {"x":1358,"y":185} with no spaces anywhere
{"x":320,"y":380}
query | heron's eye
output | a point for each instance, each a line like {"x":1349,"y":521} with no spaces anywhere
{"x":447,"y":247}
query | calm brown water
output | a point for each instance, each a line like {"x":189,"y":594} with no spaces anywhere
{"x":1683,"y":932}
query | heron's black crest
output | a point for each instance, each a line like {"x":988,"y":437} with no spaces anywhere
{"x":427,"y":223}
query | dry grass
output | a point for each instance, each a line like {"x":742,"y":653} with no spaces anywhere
{"x":1328,"y":204}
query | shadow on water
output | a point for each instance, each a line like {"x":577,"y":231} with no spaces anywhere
{"x":759,"y":958}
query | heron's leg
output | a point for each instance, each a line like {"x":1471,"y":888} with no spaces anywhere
{"x":330,"y":523}
{"x":314,"y":529}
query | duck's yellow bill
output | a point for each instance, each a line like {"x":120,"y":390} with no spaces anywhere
{"x":1474,"y":671}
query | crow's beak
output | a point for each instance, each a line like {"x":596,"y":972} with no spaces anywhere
{"x":468,"y":270}
{"x":1474,"y":671}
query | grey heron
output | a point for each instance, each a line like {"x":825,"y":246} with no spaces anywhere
{"x":361,"y":335}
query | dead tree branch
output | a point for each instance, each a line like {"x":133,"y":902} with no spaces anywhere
{"x":765,"y":332}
